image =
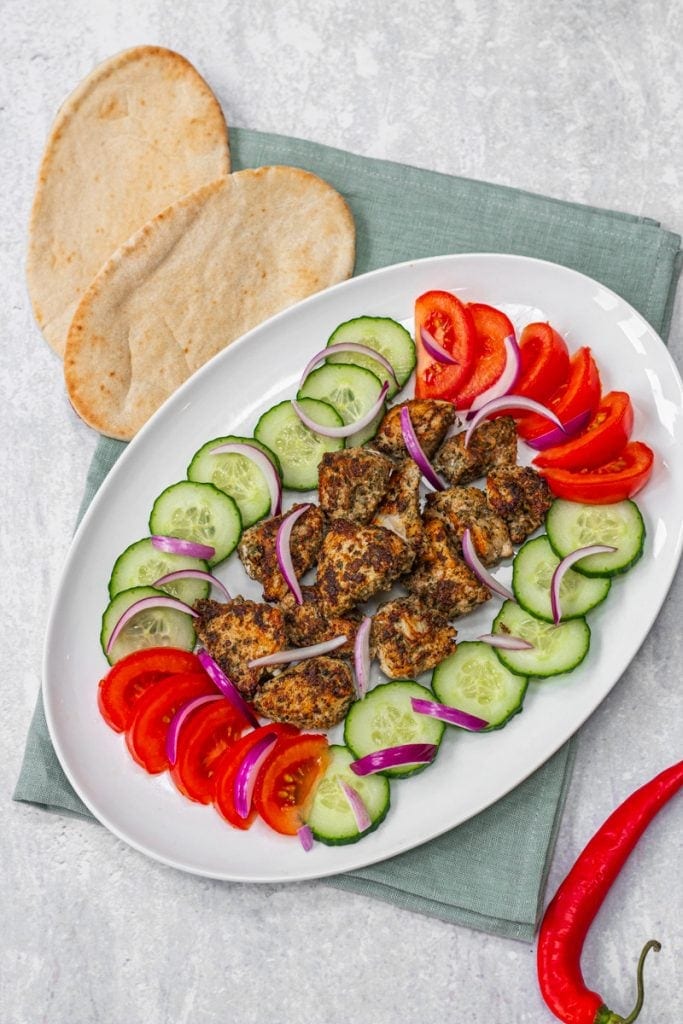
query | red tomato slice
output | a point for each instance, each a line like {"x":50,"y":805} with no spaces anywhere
{"x":579,"y":393}
{"x":451,"y":325}
{"x":227,"y":767}
{"x":615,"y":481}
{"x":544,"y":363}
{"x":208,"y":733}
{"x":492,"y":328}
{"x":602,"y":440}
{"x":120,"y":690}
{"x":146,"y":735}
{"x":287,"y":781}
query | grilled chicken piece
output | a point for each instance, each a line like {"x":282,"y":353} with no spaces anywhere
{"x":463,"y":507}
{"x":493,"y":444}
{"x":351,"y":483}
{"x":400,"y":508}
{"x":442,"y":580}
{"x":257,"y":550}
{"x":520,"y":497}
{"x":306,"y":624}
{"x":237,"y":631}
{"x":356,"y":562}
{"x":431,"y":419}
{"x":315,"y":694}
{"x":408,"y":638}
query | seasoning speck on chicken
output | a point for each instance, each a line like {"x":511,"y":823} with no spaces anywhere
{"x":430,"y":418}
{"x":408,"y":638}
{"x":351,"y":483}
{"x":315,"y":694}
{"x":400,"y":507}
{"x":356,"y":562}
{"x":462,"y":507}
{"x":257,"y":550}
{"x":520,"y":497}
{"x":306,"y":624}
{"x":492,"y":444}
{"x":441,"y":579}
{"x":237,"y":631}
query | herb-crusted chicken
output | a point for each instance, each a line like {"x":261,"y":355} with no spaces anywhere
{"x":306,"y":624}
{"x":400,"y":507}
{"x":493,"y":444}
{"x":408,"y":638}
{"x":315,"y":694}
{"x":237,"y":631}
{"x":520,"y":497}
{"x":351,"y":483}
{"x":462,"y":507}
{"x":431,"y":419}
{"x":257,"y":550}
{"x":441,"y":579}
{"x":356,"y":562}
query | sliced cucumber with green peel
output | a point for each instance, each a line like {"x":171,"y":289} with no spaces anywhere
{"x":351,"y":390}
{"x":298,"y":448}
{"x":141,"y":564}
{"x":152,"y":627}
{"x":556,"y":649}
{"x":235,"y":475}
{"x":532,"y":573}
{"x":474,"y":680}
{"x":387,"y":337}
{"x":385,"y":718}
{"x":198,"y":512}
{"x":330,"y":817}
{"x":571,"y":525}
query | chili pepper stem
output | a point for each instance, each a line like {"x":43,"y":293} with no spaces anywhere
{"x":605,"y":1016}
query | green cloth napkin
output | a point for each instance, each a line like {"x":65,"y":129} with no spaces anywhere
{"x":490,"y":872}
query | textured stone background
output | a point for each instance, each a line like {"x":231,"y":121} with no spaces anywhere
{"x":578,"y":100}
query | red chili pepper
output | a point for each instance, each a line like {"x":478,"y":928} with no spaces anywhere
{"x":577,"y":901}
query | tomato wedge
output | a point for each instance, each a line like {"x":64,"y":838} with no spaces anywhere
{"x":287,"y":781}
{"x":451,"y":325}
{"x":580,"y":393}
{"x":121,"y":688}
{"x":146,"y":735}
{"x":544,"y":362}
{"x":492,"y":328}
{"x":229,"y":764}
{"x":208,"y":732}
{"x":615,"y":481}
{"x":602,"y":440}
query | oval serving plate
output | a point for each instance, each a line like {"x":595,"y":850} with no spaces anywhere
{"x":226,"y":397}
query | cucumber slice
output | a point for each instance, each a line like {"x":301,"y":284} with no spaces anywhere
{"x":387,"y":337}
{"x":198,"y":512}
{"x":153,"y":627}
{"x":571,"y":525}
{"x":557,"y":649}
{"x":349,"y":389}
{"x":330,"y":817}
{"x":385,"y":718}
{"x":142,"y":564}
{"x":298,"y":448}
{"x":532,"y":572}
{"x":474,"y":680}
{"x":235,"y":475}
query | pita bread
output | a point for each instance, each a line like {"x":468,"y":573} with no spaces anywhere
{"x":202,"y":273}
{"x":138,"y":133}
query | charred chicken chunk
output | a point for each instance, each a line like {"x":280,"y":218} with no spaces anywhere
{"x":408,"y":638}
{"x":440,"y":578}
{"x":356,"y":562}
{"x":351,"y":483}
{"x":462,"y":507}
{"x":431,"y":419}
{"x":493,"y":444}
{"x":400,"y":508}
{"x":257,"y":550}
{"x":237,"y":631}
{"x":520,"y":497}
{"x":315,"y":694}
{"x":306,"y":624}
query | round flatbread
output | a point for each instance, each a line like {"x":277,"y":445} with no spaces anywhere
{"x":142,"y":130}
{"x":202,"y":273}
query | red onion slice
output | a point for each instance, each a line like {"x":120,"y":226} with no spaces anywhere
{"x":483,"y":575}
{"x":510,"y":402}
{"x":436,"y":351}
{"x":349,"y":428}
{"x":262,"y":462}
{"x":298,"y":653}
{"x":416,"y":452}
{"x":448,"y":714}
{"x":361,"y":656}
{"x":557,"y":436}
{"x":181,"y":715}
{"x":349,"y":346}
{"x":140,"y":606}
{"x":567,"y":563}
{"x":192,"y":574}
{"x":305,"y":838}
{"x":284,"y":552}
{"x":178,"y":546}
{"x":227,"y":687}
{"x":358,"y":808}
{"x":394,"y":757}
{"x":505,"y":641}
{"x":507,"y":379}
{"x":245,"y":780}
